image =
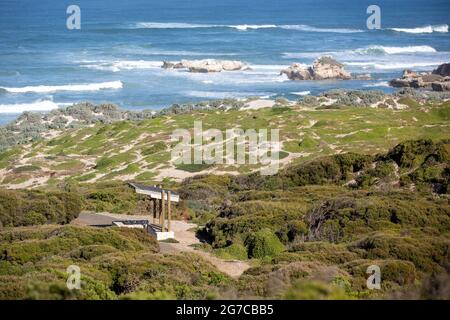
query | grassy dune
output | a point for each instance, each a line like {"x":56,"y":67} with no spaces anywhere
{"x":140,"y":150}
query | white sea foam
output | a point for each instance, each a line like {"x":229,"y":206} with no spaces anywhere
{"x":179,"y":53}
{"x":303,"y":27}
{"x":171,"y":25}
{"x":259,"y":74}
{"x":224,"y":95}
{"x":139,"y":64}
{"x":443,"y":28}
{"x":240,"y":27}
{"x":102,"y":66}
{"x":116,"y":66}
{"x":377,"y":84}
{"x":381,"y":57}
{"x":393,"y":50}
{"x":301,"y":93}
{"x":276,"y":68}
{"x":40,"y":105}
{"x":245,"y":27}
{"x":69,"y":87}
{"x":372,"y":50}
{"x":393,"y":65}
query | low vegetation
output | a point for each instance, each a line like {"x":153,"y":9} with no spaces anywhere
{"x":31,"y":207}
{"x":363,"y":186}
{"x":313,"y":230}
{"x":115,"y":263}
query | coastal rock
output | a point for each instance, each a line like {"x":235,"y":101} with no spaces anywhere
{"x":206,"y":66}
{"x":324,"y":68}
{"x":443,"y":70}
{"x":441,"y":86}
{"x":438,"y":80}
{"x":328,"y":68}
{"x":168,"y":65}
{"x":297,"y":72}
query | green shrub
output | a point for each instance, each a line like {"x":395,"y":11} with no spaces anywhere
{"x":116,"y":197}
{"x":33,"y":218}
{"x":410,"y":153}
{"x":292,"y":230}
{"x":399,"y":272}
{"x":26,"y":168}
{"x":325,"y":170}
{"x":315,"y":290}
{"x":233,"y":251}
{"x":109,"y":162}
{"x":155,"y":148}
{"x":329,"y":253}
{"x":25,"y":207}
{"x":428,"y":254}
{"x":193,"y":167}
{"x":263,"y":243}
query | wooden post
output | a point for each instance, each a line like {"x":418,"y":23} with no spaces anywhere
{"x":154,"y":209}
{"x":169,"y":211}
{"x":161,"y":217}
{"x":149,"y":207}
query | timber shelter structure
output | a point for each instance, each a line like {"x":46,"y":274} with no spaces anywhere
{"x":160,"y":207}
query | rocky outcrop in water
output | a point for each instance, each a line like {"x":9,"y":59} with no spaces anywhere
{"x":297,"y":72}
{"x":438,"y":80}
{"x":324,"y":68}
{"x":206,"y":66}
{"x":443,"y":70}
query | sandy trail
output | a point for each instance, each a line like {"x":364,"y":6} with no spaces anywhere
{"x":183,"y":233}
{"x":186,"y":238}
{"x":259,"y":104}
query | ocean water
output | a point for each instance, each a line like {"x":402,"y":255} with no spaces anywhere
{"x":117,"y":55}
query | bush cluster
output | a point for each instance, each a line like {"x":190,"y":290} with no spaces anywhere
{"x":31,"y":207}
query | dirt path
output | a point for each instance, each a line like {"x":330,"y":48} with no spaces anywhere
{"x":183,"y":233}
{"x":186,"y":238}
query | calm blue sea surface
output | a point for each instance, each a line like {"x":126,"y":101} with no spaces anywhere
{"x":117,"y":54}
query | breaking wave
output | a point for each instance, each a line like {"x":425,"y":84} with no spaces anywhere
{"x":40,"y":105}
{"x":369,"y":50}
{"x":116,"y":66}
{"x":240,"y":27}
{"x":69,"y":87}
{"x":392,"y":65}
{"x":303,"y":27}
{"x":377,"y":84}
{"x":376,"y":49}
{"x":443,"y":28}
{"x":301,"y":93}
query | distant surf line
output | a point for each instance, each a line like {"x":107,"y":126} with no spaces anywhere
{"x":442,"y":28}
{"x":35,"y":106}
{"x":69,"y":87}
{"x":239,"y":27}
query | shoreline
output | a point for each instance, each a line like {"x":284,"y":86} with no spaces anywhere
{"x":84,"y":140}
{"x":200,"y":104}
{"x":34,"y":125}
{"x":324,"y":69}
